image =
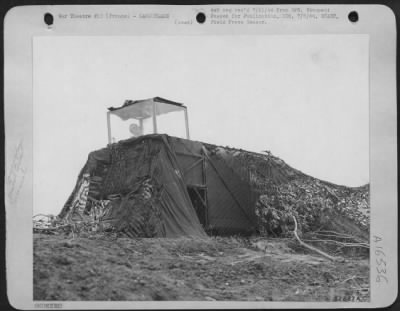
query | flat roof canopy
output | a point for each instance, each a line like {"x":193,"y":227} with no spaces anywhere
{"x":143,"y":109}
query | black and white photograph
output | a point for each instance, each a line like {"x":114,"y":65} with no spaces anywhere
{"x":212,"y":167}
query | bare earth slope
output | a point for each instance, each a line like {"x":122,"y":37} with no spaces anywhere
{"x":102,"y":267}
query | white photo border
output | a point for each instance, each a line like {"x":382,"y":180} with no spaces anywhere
{"x":23,"y":23}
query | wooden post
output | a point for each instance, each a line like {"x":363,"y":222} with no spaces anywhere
{"x":154,"y":118}
{"x":186,"y":123}
{"x":109,"y":127}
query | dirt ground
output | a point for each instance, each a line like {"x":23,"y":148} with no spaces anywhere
{"x":102,"y":267}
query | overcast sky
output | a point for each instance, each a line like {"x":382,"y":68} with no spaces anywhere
{"x":304,"y":98}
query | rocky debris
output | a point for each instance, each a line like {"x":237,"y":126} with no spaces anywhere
{"x":110,"y":215}
{"x":44,"y":223}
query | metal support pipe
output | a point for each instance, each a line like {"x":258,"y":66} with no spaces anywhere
{"x":141,"y":126}
{"x":109,"y":127}
{"x":154,"y":118}
{"x":186,"y":124}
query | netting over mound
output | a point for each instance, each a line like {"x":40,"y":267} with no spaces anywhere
{"x":139,"y":187}
{"x":285,"y":192}
{"x":261,"y":171}
{"x":316,"y":207}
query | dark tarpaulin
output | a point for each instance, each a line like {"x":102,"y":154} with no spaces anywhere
{"x":122,"y":167}
{"x":177,"y":211}
{"x":231,"y":200}
{"x":170,"y":164}
{"x":190,"y":158}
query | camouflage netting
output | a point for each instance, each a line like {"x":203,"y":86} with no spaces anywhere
{"x":140,"y":204}
{"x":315,"y":206}
{"x":286,"y":192}
{"x":261,"y":171}
{"x":138,"y":187}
